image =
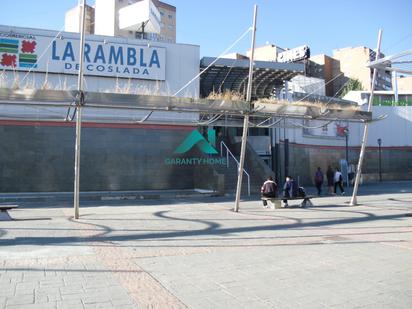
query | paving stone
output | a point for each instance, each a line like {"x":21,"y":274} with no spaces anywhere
{"x":58,"y":282}
{"x":69,"y":304}
{"x":105,"y":305}
{"x":7,"y":289}
{"x":20,"y":300}
{"x":121,"y":301}
{"x":71,"y":289}
{"x":95,"y":298}
{"x":32,"y":306}
{"x":2,"y":301}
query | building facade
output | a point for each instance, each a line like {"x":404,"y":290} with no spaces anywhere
{"x":353,"y":64}
{"x":72,"y":20}
{"x":404,"y":83}
{"x":104,"y":18}
{"x":120,"y":152}
{"x":268,"y":52}
{"x":327,"y":68}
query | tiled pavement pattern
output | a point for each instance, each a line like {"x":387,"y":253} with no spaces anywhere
{"x":164,"y":254}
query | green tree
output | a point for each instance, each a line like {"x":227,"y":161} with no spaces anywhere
{"x":351,"y":84}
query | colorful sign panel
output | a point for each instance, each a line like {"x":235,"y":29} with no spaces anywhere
{"x":23,"y":52}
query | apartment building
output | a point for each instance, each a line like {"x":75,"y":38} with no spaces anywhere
{"x":136,"y":19}
{"x":404,"y":83}
{"x":72,"y":20}
{"x":353,"y":64}
{"x":327,"y":68}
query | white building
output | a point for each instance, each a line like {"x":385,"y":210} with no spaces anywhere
{"x":44,"y":59}
{"x":152,"y":20}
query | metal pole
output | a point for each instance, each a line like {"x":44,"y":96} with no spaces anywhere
{"x":79,"y":103}
{"x":286,"y":156}
{"x":246,"y":118}
{"x":380,"y":158}
{"x":353,"y":201}
{"x":395,"y":86}
{"x":347,"y":149}
{"x":347,"y":159}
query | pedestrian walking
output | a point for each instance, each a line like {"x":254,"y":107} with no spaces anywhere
{"x":338,"y":181}
{"x":330,"y":175}
{"x":319,"y":180}
{"x":269,"y":190}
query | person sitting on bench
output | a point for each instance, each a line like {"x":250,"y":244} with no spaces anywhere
{"x":290,"y":189}
{"x":269,"y":189}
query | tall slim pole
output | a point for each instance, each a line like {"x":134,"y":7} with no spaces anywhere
{"x":347,"y":148}
{"x":395,"y":86}
{"x":353,"y":201}
{"x":347,"y":157}
{"x":79,"y":104}
{"x":380,"y":158}
{"x":246,"y":118}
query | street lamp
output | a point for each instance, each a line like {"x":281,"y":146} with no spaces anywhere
{"x":380,"y":158}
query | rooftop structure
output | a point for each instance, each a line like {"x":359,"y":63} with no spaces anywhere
{"x":232,"y":75}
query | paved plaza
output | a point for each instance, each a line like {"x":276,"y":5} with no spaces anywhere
{"x":198,"y":253}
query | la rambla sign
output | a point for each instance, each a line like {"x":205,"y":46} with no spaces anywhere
{"x":55,"y":55}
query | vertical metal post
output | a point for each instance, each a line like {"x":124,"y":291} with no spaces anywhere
{"x":380,"y":158}
{"x":79,"y":104}
{"x":272,"y":153}
{"x":286,"y":155}
{"x":346,"y":148}
{"x":347,"y":158}
{"x":246,"y":118}
{"x":353,"y":201}
{"x":395,"y":86}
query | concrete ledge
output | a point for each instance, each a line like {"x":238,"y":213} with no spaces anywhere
{"x":104,"y":195}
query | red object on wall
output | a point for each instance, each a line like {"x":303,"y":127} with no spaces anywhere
{"x":28,"y":47}
{"x":8,"y":60}
{"x":340,"y":130}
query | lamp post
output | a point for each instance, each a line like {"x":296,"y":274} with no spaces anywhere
{"x":380,"y":158}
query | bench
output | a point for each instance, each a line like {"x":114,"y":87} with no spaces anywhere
{"x":4,"y":208}
{"x":277,"y":201}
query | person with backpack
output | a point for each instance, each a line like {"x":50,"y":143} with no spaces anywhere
{"x":269,"y":190}
{"x":319,"y":180}
{"x":338,"y":181}
{"x":290,"y":189}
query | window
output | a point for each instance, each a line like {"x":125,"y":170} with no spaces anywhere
{"x":170,"y":16}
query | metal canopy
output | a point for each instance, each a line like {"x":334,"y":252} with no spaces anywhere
{"x":390,"y":63}
{"x":232,"y":75}
{"x":59,"y":99}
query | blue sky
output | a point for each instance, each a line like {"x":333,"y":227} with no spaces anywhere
{"x":324,"y":25}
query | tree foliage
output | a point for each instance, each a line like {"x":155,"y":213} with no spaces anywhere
{"x":352,"y":84}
